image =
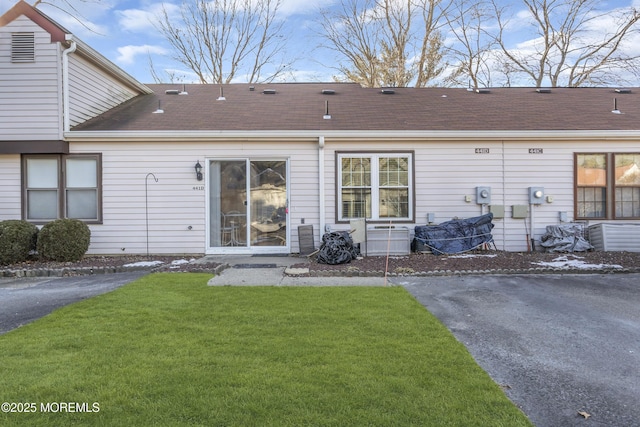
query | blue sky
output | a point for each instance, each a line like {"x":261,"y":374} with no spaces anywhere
{"x":123,"y":33}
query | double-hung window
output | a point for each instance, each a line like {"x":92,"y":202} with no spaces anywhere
{"x":376,"y":186}
{"x":62,"y":186}
{"x":607,"y":185}
{"x":626,"y":182}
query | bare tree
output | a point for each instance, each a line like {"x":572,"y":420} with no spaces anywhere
{"x":352,"y":34}
{"x":430,"y":59}
{"x":472,"y":52}
{"x":70,"y":9}
{"x":220,"y":40}
{"x":385,"y":42}
{"x":575,"y":44}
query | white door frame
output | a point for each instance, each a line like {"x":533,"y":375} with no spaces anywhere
{"x":246,"y":249}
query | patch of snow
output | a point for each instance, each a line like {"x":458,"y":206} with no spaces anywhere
{"x":144,"y":264}
{"x":566,"y":263}
{"x":180,"y":262}
{"x":472,"y":256}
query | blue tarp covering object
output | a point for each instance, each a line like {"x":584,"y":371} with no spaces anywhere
{"x":455,"y":236}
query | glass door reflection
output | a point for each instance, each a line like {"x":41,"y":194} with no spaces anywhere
{"x":268,"y":203}
{"x":228,"y":209}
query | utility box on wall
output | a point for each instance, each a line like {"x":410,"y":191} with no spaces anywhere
{"x":497,"y":211}
{"x":536,"y":195}
{"x":483,"y":195}
{"x":519,"y":211}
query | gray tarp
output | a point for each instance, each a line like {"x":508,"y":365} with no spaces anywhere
{"x":565,"y":238}
{"x":455,"y":236}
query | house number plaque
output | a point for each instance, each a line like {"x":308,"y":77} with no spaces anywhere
{"x":482,"y":151}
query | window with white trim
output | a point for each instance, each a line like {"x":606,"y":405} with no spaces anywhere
{"x":607,"y":185}
{"x":376,"y":186}
{"x":62,"y":186}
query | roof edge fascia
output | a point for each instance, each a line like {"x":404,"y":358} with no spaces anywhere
{"x":22,"y":8}
{"x":128,"y":136}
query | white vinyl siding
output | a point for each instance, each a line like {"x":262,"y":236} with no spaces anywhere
{"x":29,"y":91}
{"x":10,"y":187}
{"x":446,"y":172}
{"x":178,"y":201}
{"x":92,"y":91}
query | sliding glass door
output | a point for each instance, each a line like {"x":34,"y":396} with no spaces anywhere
{"x":248,"y":205}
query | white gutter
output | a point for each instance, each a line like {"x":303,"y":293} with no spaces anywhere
{"x":321,"y":184}
{"x":424,"y":135}
{"x":66,"y":110}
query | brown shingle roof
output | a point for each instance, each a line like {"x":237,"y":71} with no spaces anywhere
{"x":301,"y":106}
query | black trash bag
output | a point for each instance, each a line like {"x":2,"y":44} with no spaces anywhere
{"x":454,"y":236}
{"x":337,"y":248}
{"x":565,"y":238}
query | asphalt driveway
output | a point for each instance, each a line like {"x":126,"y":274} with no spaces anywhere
{"x":23,"y":300}
{"x":560,"y":345}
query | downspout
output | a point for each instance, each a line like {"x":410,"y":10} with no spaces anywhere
{"x":66,"y":121}
{"x":321,"y":183}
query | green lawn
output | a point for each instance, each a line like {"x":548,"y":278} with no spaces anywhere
{"x":169,"y":350}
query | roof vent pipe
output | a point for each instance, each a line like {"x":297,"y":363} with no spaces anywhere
{"x":326,"y":116}
{"x":159,"y":110}
{"x":221,"y":97}
{"x":615,"y":107}
{"x":184,"y":90}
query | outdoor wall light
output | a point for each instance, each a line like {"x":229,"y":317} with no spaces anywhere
{"x":198,"y":168}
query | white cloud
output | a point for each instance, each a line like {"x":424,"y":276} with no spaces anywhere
{"x":135,"y":20}
{"x":128,"y":53}
{"x":141,"y":20}
{"x":293,"y":7}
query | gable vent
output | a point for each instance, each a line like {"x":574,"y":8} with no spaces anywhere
{"x":23,"y":47}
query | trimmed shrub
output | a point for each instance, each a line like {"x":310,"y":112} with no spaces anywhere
{"x":17,"y":239}
{"x":63,"y":240}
